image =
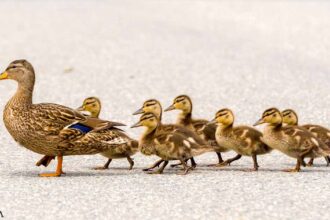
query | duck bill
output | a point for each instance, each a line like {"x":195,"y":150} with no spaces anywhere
{"x":3,"y":75}
{"x":138,"y":124}
{"x":259,"y":122}
{"x":138,"y":112}
{"x":170,"y":108}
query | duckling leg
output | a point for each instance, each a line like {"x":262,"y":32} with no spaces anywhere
{"x":193,"y":163}
{"x":131,"y":162}
{"x":327,"y":158}
{"x":186,"y":167}
{"x":58,"y":171}
{"x":297,"y":168}
{"x":105,"y":167}
{"x":178,"y":164}
{"x":154,"y":165}
{"x":45,"y":161}
{"x":311,"y":162}
{"x":160,"y":170}
{"x":255,"y":164}
{"x":229,"y":161}
{"x":219,"y":158}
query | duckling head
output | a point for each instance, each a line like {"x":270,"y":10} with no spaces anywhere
{"x":20,"y":71}
{"x":290,"y":117}
{"x":151,"y":106}
{"x":271,"y":116}
{"x":183,"y":103}
{"x":148,"y":120}
{"x":91,"y":105}
{"x":224,"y":117}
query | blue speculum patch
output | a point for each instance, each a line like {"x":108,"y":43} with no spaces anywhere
{"x":81,"y":127}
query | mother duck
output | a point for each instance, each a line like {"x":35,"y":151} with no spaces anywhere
{"x":50,"y":129}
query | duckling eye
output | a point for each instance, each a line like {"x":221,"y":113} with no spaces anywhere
{"x":94,"y":105}
{"x":184,"y":102}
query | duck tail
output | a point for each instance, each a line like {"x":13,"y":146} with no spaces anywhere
{"x":45,"y":161}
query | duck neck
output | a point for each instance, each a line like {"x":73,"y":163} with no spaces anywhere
{"x":22,"y":97}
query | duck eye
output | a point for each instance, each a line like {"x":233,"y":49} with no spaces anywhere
{"x":94,"y":105}
{"x":184,"y":102}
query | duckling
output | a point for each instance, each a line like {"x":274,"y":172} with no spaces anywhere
{"x":92,"y":107}
{"x":243,"y":140}
{"x":167,"y":145}
{"x":290,"y":140}
{"x":154,"y":106}
{"x":202,"y":127}
{"x":51,"y":129}
{"x":290,"y":117}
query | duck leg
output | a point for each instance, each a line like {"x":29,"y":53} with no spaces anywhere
{"x":154,"y":165}
{"x":58,"y":171}
{"x":255,"y":164}
{"x":131,"y":162}
{"x":45,"y":161}
{"x":219,"y":158}
{"x":161,"y":169}
{"x":229,"y":161}
{"x":105,"y":167}
{"x":185,"y":167}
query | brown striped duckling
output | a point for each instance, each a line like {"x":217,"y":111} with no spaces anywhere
{"x":290,"y":140}
{"x":243,"y":140}
{"x":51,"y":129}
{"x":202,"y":127}
{"x":92,"y":107}
{"x":167,"y":145}
{"x":154,"y":106}
{"x":290,"y":117}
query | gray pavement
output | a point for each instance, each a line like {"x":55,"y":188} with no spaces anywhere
{"x":245,"y":55}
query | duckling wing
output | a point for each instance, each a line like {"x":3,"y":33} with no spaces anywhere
{"x":206,"y":131}
{"x":250,"y":140}
{"x":320,"y":132}
{"x":303,"y":140}
{"x":172,"y":128}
